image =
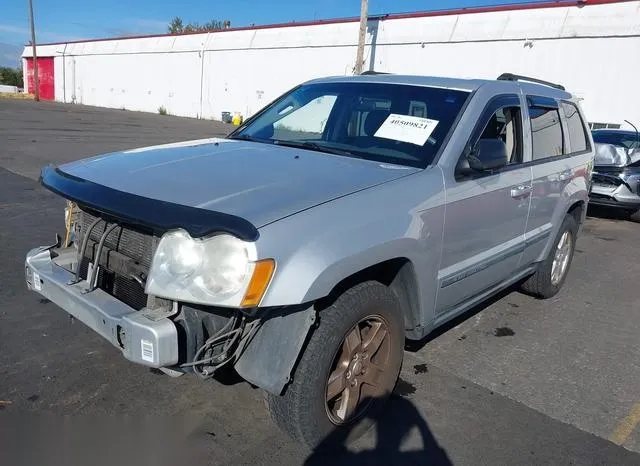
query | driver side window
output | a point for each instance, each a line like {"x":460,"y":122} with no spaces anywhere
{"x":506,"y":125}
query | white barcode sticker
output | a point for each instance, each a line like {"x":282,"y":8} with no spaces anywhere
{"x":406,"y":128}
{"x":36,"y":281}
{"x":147,"y":350}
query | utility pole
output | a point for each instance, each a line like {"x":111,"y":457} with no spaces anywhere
{"x":36,"y":81}
{"x":364,"y":13}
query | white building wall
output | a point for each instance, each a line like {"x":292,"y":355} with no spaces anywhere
{"x":593,"y":50}
{"x":8,"y":89}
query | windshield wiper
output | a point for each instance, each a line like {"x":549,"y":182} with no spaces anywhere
{"x":312,"y":146}
{"x":246,"y":137}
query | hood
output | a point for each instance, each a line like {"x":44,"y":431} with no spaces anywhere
{"x":259,"y":182}
{"x":610,"y":155}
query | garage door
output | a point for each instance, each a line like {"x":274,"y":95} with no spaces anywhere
{"x":45,"y":77}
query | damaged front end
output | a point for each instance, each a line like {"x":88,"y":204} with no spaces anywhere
{"x":615,"y":181}
{"x":263,"y":349}
{"x":176,"y":337}
{"x":101,"y":269}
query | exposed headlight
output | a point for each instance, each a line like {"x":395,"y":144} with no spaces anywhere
{"x":70,"y":218}
{"x":220,"y":270}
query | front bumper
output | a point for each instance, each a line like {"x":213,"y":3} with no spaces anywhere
{"x":145,"y":337}
{"x":616,"y":190}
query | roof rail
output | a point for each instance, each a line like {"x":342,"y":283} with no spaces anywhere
{"x":371,"y":72}
{"x":517,"y":77}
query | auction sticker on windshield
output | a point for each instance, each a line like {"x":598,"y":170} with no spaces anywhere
{"x":405,"y":128}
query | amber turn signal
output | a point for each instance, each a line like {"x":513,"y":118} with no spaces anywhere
{"x":262,"y":274}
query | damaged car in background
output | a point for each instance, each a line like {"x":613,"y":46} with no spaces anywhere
{"x":615,"y":182}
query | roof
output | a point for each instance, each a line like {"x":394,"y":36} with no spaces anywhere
{"x":626,"y":132}
{"x":414,"y":80}
{"x":534,"y":5}
{"x":469,"y":85}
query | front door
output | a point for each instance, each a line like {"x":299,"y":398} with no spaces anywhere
{"x":486,"y":215}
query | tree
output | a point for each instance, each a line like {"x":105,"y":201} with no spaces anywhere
{"x":11,"y":76}
{"x":176,"y":26}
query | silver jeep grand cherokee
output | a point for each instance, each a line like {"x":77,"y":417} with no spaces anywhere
{"x":350,"y":214}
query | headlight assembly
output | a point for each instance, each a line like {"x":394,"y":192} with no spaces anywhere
{"x":220,"y":270}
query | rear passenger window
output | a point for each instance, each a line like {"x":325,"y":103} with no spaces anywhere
{"x":576,"y":128}
{"x":546,"y":132}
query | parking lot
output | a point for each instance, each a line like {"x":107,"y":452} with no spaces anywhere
{"x":518,"y":381}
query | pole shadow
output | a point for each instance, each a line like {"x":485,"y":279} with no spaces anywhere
{"x":372,"y":29}
{"x":392,"y":428}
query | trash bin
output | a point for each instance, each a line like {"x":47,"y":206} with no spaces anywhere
{"x":226,"y":117}
{"x":237,"y":119}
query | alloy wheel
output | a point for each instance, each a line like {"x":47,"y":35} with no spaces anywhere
{"x":561,"y":258}
{"x":361,"y":370}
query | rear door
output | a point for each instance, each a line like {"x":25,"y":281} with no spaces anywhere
{"x":557,"y":134}
{"x":486,"y":214}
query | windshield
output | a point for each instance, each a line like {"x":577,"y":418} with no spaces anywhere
{"x":388,"y":123}
{"x":627,"y":140}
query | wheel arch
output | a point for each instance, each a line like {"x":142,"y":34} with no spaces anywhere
{"x":398,"y":273}
{"x":579,"y":211}
{"x":574,"y":205}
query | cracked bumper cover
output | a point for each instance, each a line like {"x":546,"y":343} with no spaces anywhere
{"x":143,"y":336}
{"x":616,"y":189}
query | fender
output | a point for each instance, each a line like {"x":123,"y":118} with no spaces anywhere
{"x":366,"y":229}
{"x":335,"y":240}
{"x":575,"y":191}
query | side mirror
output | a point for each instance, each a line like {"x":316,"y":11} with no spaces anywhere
{"x":488,"y":154}
{"x":266,"y":132}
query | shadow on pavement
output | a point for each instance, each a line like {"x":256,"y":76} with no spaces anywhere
{"x":392,"y":429}
{"x":414,"y":346}
{"x":612,"y":214}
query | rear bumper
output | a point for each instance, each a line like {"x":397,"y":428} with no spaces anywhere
{"x":144,"y":337}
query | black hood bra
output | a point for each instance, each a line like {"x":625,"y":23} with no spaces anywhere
{"x":152,"y":214}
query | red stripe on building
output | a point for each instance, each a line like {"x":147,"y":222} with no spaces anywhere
{"x":419,"y":14}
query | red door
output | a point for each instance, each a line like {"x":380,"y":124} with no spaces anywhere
{"x":45,"y":77}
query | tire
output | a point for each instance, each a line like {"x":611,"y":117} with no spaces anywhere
{"x":303,"y":411}
{"x":542,"y":284}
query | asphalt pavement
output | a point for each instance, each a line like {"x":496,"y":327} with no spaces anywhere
{"x":517,"y":381}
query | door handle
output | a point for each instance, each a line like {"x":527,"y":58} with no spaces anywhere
{"x":565,"y":175}
{"x":520,"y":191}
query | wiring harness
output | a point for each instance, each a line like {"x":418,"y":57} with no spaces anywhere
{"x":224,"y":346}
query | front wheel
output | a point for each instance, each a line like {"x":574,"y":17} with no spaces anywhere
{"x":348,"y":369}
{"x":552,"y":272}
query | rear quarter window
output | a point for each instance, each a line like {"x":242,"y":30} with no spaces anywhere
{"x":576,"y":128}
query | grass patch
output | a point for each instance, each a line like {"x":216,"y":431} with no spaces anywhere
{"x":16,"y":95}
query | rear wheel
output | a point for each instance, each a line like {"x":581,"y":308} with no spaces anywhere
{"x":552,"y":272}
{"x":348,"y":369}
